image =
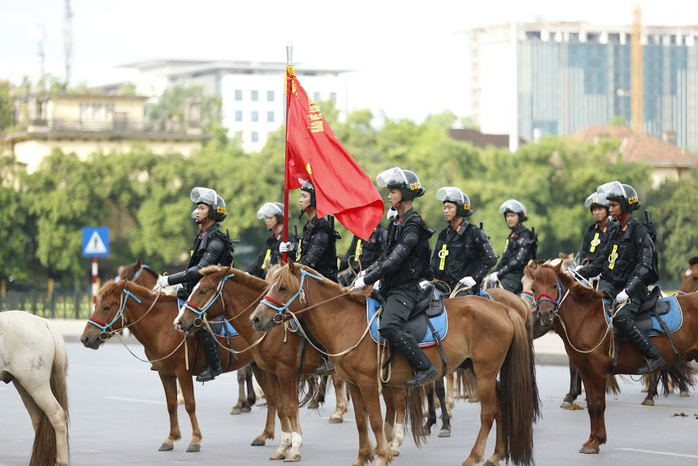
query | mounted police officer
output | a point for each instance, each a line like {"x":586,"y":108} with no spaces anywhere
{"x":628,"y":266}
{"x":211,"y":247}
{"x":403,"y":264}
{"x":597,"y":233}
{"x":463,"y":252}
{"x":273,"y":215}
{"x":521,"y":248}
{"x":362,"y":254}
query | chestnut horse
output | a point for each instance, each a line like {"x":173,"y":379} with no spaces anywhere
{"x":149,"y":315}
{"x":147,"y":277}
{"x":33,"y":357}
{"x":484,"y":334}
{"x":235,"y":294}
{"x":577,"y":315}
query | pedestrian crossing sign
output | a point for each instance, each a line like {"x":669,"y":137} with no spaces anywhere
{"x":95,"y":241}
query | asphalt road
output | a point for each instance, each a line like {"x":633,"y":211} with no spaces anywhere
{"x":118,"y":417}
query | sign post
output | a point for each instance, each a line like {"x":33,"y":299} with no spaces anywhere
{"x":95,"y":243}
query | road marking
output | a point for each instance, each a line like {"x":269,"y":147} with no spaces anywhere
{"x":658,"y":453}
{"x":116,"y":398}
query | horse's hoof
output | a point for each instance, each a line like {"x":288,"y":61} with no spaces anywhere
{"x":589,"y":450}
{"x":313,"y":405}
{"x":277,"y":456}
{"x":647,"y":402}
{"x":166,"y":447}
{"x":235,"y":410}
{"x":336,"y":419}
{"x":258,"y":442}
{"x":683,"y":394}
{"x":444,"y":433}
{"x":246,"y":409}
{"x":565,"y":405}
{"x":292,"y":458}
{"x":194,"y":448}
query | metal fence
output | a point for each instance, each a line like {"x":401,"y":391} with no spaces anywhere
{"x":57,"y":305}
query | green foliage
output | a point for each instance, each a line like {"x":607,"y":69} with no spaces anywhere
{"x":5,"y":106}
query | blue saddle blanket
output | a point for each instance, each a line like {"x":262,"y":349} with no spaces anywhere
{"x":440,"y":324}
{"x":673,"y":318}
{"x":219,"y":325}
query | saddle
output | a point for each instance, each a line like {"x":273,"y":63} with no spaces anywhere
{"x":656,"y":316}
{"x":428,"y":302}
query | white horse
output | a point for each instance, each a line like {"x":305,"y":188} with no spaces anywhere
{"x":33,"y":357}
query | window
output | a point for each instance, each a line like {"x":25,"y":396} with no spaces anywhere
{"x":270,"y":117}
{"x":238,"y":95}
{"x":316,"y":96}
{"x":270,"y":96}
{"x":255,"y":115}
{"x":254,"y":136}
{"x":238,"y":115}
{"x":254,"y":95}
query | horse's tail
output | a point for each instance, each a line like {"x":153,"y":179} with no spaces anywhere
{"x":44,"y":450}
{"x":414,"y":413}
{"x":681,"y":375}
{"x":612,"y":387}
{"x":519,"y":394}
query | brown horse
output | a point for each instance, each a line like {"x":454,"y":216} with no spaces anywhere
{"x":148,"y":278}
{"x":577,"y":315}
{"x":149,"y":315}
{"x":485,"y":334}
{"x":234,"y":293}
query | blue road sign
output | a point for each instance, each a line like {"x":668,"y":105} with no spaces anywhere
{"x":95,"y":241}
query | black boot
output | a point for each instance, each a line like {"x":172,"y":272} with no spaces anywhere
{"x":213,"y":359}
{"x":422,"y":367}
{"x":644,"y":345}
{"x":325,"y":367}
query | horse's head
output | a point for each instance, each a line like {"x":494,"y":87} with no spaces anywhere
{"x":689,"y":280}
{"x":129,"y":271}
{"x":204,"y":300}
{"x":547,"y":288}
{"x":108,"y":314}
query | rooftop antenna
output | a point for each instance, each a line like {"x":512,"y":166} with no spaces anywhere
{"x":68,"y":41}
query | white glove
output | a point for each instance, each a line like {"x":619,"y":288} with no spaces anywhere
{"x":377,"y":285}
{"x":423,"y":284}
{"x":392,"y":213}
{"x":359,"y":284}
{"x":493,"y":277}
{"x":622,"y":297}
{"x":285,"y":247}
{"x":163,"y":282}
{"x":578,"y":268}
{"x":467,"y":281}
{"x":361,"y":274}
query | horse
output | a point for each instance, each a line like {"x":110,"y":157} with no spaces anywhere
{"x":149,"y":315}
{"x":577,"y":315}
{"x":484,"y":334}
{"x":285,"y":355}
{"x":147,"y":277}
{"x":33,"y":357}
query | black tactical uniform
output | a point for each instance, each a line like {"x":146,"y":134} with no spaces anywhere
{"x":362,"y":254}
{"x":271,"y":255}
{"x":521,"y":245}
{"x":628,"y":262}
{"x":317,"y":247}
{"x":595,"y":235}
{"x":404,"y":263}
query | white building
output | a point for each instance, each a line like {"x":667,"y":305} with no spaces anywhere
{"x":252,"y":93}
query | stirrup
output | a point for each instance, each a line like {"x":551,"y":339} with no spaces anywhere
{"x":325,"y":367}
{"x":207,"y":375}
{"x":651,"y":366}
{"x":421,"y":377}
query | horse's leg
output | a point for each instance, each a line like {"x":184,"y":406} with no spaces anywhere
{"x":180,"y":397}
{"x":289,"y":389}
{"x":371,"y":402}
{"x":169,"y":384}
{"x":398,"y":402}
{"x":286,"y":401}
{"x":575,"y":388}
{"x":595,"y":387}
{"x":366,"y":451}
{"x":270,"y":385}
{"x":29,"y":403}
{"x":450,"y":388}
{"x":651,"y":381}
{"x":445,"y":417}
{"x":187,"y":385}
{"x":431,"y":416}
{"x":319,"y":396}
{"x":251,"y":395}
{"x":486,"y":383}
{"x":237,"y":408}
{"x":342,"y":404}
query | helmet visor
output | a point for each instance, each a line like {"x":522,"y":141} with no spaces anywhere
{"x":512,"y":205}
{"x":596,"y":199}
{"x":205,"y":195}
{"x":270,"y":209}
{"x":392,"y":177}
{"x":451,"y":194}
{"x":613,"y":189}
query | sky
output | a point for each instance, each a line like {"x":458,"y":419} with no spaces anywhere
{"x":409,"y":57}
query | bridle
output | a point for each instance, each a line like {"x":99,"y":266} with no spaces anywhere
{"x":280,"y":307}
{"x":556,"y":302}
{"x":200,"y":311}
{"x":104,"y":327}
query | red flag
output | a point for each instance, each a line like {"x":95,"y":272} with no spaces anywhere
{"x":314,"y":153}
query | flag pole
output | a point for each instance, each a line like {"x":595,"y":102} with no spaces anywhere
{"x":289,"y":59}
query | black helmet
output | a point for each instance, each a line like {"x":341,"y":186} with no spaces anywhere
{"x":514,"y":206}
{"x":270,"y":209}
{"x":307,"y":186}
{"x":457,"y":197}
{"x":622,"y":193}
{"x":596,"y":200}
{"x":405,"y":180}
{"x":215,"y":203}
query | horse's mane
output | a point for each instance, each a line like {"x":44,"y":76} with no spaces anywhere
{"x":244,"y":278}
{"x":112,"y":287}
{"x":547,"y":273}
{"x":286,"y":274}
